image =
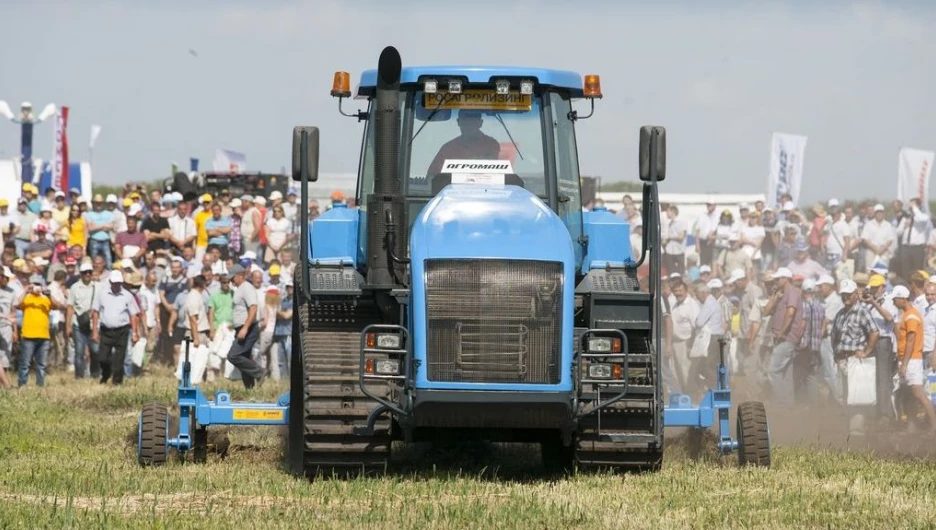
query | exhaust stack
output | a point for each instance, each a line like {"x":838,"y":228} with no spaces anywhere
{"x":385,"y":204}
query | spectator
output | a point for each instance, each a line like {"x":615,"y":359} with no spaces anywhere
{"x":149,"y":293}
{"x":267,"y":323}
{"x":674,"y":242}
{"x":201,"y":232}
{"x":8,"y":298}
{"x":182,"y":231}
{"x":783,"y":306}
{"x":733,"y":258}
{"x":77,"y":229}
{"x":81,"y":299}
{"x":172,"y":286}
{"x":282,"y":332}
{"x":34,"y":335}
{"x":910,"y":352}
{"x":712,"y":317}
{"x":879,"y":238}
{"x":42,"y":247}
{"x":156,"y":229}
{"x":705,"y":234}
{"x":131,"y":244}
{"x":244,"y":317}
{"x":218,"y":229}
{"x":100,"y":223}
{"x":8,"y":222}
{"x":832,"y":304}
{"x":884,"y":313}
{"x":278,"y":229}
{"x":250,"y":225}
{"x":221,"y":305}
{"x":113,"y":318}
{"x":803,"y":265}
{"x":235,"y":236}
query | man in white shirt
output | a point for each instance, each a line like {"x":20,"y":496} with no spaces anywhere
{"x":913,"y":231}
{"x":840,"y":239}
{"x":182,"y":231}
{"x":929,"y":325}
{"x":705,"y":234}
{"x":674,"y":241}
{"x":879,"y":238}
{"x":683,"y":313}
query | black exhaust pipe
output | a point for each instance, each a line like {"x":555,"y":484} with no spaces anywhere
{"x":385,"y":204}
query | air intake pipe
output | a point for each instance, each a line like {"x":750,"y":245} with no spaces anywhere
{"x":385,"y":204}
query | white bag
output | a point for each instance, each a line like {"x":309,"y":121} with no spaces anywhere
{"x":862,"y":386}
{"x":700,"y":344}
{"x":199,"y":359}
{"x":138,"y":353}
{"x":231,"y":372}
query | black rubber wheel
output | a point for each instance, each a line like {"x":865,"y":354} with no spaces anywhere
{"x":199,"y":442}
{"x":557,"y":458}
{"x":753,"y":435}
{"x":153,"y":435}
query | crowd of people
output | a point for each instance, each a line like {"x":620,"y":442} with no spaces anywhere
{"x":106,"y":286}
{"x":835,"y":303}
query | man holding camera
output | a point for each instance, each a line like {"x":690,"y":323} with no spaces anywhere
{"x":884,"y":312}
{"x":81,"y":298}
{"x":36,"y":305}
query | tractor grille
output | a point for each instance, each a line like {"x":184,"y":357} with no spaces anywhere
{"x":493,"y":321}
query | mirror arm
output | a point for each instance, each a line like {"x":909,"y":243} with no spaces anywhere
{"x":306,"y":286}
{"x":360,"y":115}
{"x":573,"y":114}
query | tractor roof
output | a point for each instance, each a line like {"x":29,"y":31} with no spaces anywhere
{"x":480,"y":74}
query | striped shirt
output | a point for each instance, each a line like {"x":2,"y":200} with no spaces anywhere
{"x":851,"y":329}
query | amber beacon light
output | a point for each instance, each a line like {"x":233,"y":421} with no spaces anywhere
{"x":341,"y":86}
{"x":592,"y":86}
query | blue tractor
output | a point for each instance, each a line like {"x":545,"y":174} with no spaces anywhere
{"x":469,"y":296}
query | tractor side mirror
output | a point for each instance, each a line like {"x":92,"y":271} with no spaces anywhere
{"x":652,"y":153}
{"x":305,"y":153}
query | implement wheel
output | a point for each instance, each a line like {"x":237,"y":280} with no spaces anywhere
{"x":153,"y":434}
{"x":753,"y":435}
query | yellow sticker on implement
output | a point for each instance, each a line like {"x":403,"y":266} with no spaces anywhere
{"x":258,"y":414}
{"x":479,"y":100}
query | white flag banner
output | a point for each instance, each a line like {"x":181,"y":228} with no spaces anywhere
{"x":230,"y":161}
{"x":913,"y":172}
{"x":786,"y":167}
{"x":95,"y":132}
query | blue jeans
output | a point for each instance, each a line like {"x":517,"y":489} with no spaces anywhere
{"x":780,"y":372}
{"x":832,"y":261}
{"x":284,"y":344}
{"x":29,"y":349}
{"x":96,"y":247}
{"x":21,"y":246}
{"x":81,"y":341}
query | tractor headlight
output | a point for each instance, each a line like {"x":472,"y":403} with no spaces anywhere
{"x":604,"y":345}
{"x":503,"y":87}
{"x":388,"y":342}
{"x":526,"y":87}
{"x":387,"y":367}
{"x":455,"y":86}
{"x":599,"y":345}
{"x":430,"y":86}
{"x":599,"y":371}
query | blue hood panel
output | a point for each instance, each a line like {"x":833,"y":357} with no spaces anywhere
{"x":474,"y":221}
{"x":471,"y":221}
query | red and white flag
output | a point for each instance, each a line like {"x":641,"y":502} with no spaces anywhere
{"x":913,"y":173}
{"x":60,"y":169}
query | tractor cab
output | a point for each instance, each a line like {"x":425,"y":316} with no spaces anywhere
{"x":498,"y":125}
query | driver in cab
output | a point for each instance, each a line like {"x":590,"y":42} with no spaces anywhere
{"x":472,"y":144}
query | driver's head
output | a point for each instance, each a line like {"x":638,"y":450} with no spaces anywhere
{"x":469,"y":120}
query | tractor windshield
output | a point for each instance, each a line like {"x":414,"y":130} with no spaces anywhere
{"x":475,"y":125}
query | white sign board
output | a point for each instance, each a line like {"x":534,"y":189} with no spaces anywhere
{"x":913,"y":171}
{"x":786,"y":167}
{"x":484,"y":172}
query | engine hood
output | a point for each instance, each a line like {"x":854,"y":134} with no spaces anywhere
{"x":472,"y":221}
{"x":477,"y":222}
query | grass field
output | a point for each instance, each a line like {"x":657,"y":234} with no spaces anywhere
{"x":67,"y":461}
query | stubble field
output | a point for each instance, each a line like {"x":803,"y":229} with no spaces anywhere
{"x":67,"y":460}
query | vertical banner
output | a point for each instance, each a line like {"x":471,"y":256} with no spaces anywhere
{"x":95,"y":132}
{"x":26,"y":162}
{"x":230,"y":161}
{"x":786,"y":167}
{"x":193,"y":164}
{"x":913,"y":172}
{"x":60,"y":169}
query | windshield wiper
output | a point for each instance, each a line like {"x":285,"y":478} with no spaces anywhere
{"x":504,"y":125}
{"x":429,"y":118}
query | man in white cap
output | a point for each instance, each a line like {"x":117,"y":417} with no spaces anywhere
{"x":113,"y":318}
{"x":246,"y":307}
{"x":912,"y":232}
{"x":910,"y":352}
{"x":783,"y":306}
{"x":704,"y":234}
{"x":712,"y":318}
{"x":854,"y":333}
{"x":879,"y":238}
{"x":81,"y":298}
